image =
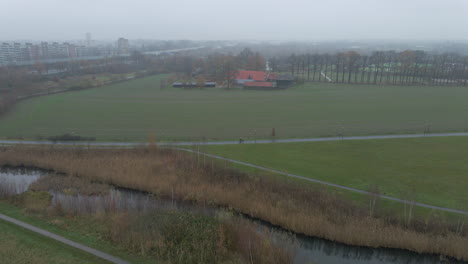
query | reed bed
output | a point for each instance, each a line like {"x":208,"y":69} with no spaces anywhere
{"x":171,"y":173}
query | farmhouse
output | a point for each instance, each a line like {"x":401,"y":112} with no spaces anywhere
{"x":260,"y":80}
{"x":250,"y":76}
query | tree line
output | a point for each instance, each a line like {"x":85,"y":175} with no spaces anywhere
{"x":410,"y":67}
{"x":219,"y":67}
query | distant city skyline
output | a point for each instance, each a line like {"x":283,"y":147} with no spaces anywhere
{"x":26,"y":53}
{"x":241,"y":20}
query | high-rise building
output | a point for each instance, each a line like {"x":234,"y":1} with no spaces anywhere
{"x":122,"y":46}
{"x":26,"y":52}
{"x":5,"y":53}
{"x":54,"y":50}
{"x":16,"y":52}
{"x":44,"y":50}
{"x":89,"y":41}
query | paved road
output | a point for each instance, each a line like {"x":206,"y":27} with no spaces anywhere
{"x":79,"y":246}
{"x":326,"y":183}
{"x":232,"y":142}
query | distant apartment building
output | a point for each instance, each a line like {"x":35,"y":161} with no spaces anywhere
{"x":82,"y":51}
{"x":5,"y":53}
{"x":89,"y":40}
{"x":29,"y":53}
{"x":122,"y":46}
{"x":16,"y":52}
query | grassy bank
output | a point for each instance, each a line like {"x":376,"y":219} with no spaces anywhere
{"x":291,"y":206}
{"x":18,"y":245}
{"x":132,"y":110}
{"x":68,"y":227}
{"x":427,"y":170}
{"x":142,"y":236}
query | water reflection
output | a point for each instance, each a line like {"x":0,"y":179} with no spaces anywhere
{"x":306,"y":249}
{"x":124,"y":200}
{"x":314,"y":250}
{"x":16,"y":181}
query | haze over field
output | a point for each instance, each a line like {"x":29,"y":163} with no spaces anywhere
{"x":246,"y":131}
{"x":241,"y":19}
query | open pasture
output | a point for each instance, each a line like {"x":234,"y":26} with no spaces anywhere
{"x":133,"y":110}
{"x":427,"y":170}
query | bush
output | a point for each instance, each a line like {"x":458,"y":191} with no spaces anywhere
{"x":175,"y":237}
{"x":35,"y":201}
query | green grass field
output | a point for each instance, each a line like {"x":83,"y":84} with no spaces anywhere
{"x":432,"y":170}
{"x":18,"y":245}
{"x":133,"y":110}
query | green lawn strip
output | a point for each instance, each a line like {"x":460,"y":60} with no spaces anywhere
{"x":388,"y":157}
{"x":432,"y":170}
{"x":132,"y":110}
{"x":80,"y":230}
{"x":19,"y":245}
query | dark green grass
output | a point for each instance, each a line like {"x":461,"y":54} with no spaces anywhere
{"x":18,"y":245}
{"x":133,"y":110}
{"x":383,"y":207}
{"x":429,"y":170}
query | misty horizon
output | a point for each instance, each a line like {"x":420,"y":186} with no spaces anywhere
{"x":261,"y":20}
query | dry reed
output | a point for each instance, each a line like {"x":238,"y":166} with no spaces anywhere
{"x":299,"y":209}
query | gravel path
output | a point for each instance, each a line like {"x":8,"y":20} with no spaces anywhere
{"x":231,"y":142}
{"x":264,"y":141}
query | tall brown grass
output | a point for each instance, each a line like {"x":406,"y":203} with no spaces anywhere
{"x":299,"y":209}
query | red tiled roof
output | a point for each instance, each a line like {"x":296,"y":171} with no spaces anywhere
{"x":258,"y":84}
{"x":253,"y":75}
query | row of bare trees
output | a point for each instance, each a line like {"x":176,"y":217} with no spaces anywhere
{"x":382,"y":67}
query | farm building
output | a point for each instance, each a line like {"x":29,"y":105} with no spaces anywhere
{"x":250,"y":76}
{"x":262,"y":80}
{"x":259,"y":86}
{"x":284,"y":80}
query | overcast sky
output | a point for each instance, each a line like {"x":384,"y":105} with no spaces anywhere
{"x":234,"y":19}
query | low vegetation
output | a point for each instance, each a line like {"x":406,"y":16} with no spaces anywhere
{"x":426,"y":170}
{"x":168,"y":235}
{"x":171,"y":173}
{"x":16,"y":84}
{"x":130,"y":111}
{"x":17,"y":245}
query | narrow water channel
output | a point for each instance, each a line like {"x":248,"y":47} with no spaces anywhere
{"x":306,"y":249}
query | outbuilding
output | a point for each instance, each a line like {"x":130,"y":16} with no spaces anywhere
{"x":259,"y":86}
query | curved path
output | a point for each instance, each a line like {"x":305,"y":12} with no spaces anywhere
{"x":326,"y":183}
{"x":264,"y":141}
{"x":231,"y":142}
{"x":68,"y":242}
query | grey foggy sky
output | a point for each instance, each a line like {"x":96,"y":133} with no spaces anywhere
{"x":235,"y":19}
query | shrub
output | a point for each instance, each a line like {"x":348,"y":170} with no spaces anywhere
{"x":35,"y":201}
